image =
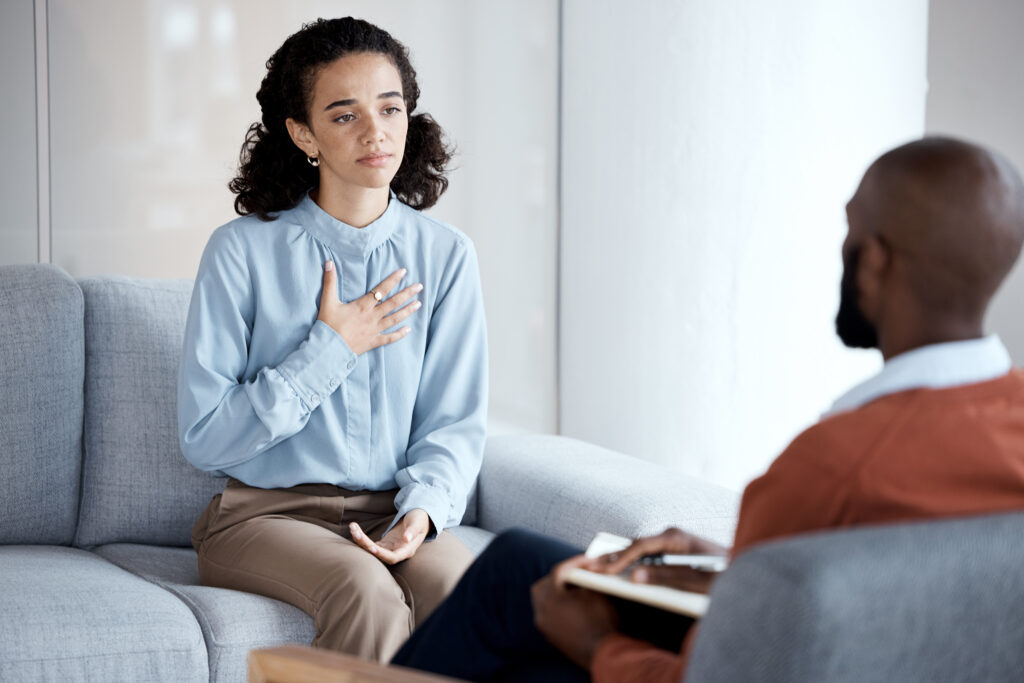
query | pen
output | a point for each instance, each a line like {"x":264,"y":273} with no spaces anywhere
{"x":707,"y":563}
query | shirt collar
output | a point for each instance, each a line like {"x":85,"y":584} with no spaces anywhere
{"x":936,"y":366}
{"x":342,"y":237}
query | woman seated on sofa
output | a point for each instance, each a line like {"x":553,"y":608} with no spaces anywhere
{"x":334,"y":363}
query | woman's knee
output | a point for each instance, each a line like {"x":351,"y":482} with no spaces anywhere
{"x":368,"y":590}
{"x":368,"y":617}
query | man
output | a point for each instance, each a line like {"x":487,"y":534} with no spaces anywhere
{"x":934,"y":228}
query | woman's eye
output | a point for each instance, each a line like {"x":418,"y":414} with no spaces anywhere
{"x":392,"y":110}
{"x":346,"y":118}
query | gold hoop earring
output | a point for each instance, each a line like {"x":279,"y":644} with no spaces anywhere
{"x":313,"y":161}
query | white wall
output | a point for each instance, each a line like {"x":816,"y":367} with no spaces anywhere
{"x":150,"y":102}
{"x":976,"y":91}
{"x":709,"y":149}
{"x":18,"y":240}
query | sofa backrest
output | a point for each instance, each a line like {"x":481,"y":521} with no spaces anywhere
{"x":927,"y":601}
{"x":136,"y":485}
{"x":41,"y":370}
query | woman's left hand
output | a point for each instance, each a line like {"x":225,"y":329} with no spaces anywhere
{"x":401,"y":542}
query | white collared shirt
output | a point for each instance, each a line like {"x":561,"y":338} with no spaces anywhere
{"x":936,"y":366}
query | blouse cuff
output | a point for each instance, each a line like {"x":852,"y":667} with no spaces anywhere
{"x":319,"y":366}
{"x":430,"y":499}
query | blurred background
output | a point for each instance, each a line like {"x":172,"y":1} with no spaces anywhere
{"x":655,"y":188}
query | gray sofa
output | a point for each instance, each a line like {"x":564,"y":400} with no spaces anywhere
{"x":97,"y":578}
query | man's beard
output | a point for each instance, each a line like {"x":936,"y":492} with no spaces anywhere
{"x":853,"y":328}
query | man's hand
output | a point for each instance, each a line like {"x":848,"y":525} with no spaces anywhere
{"x":401,"y":542}
{"x":669,"y":541}
{"x":361,"y":323}
{"x":573,"y":619}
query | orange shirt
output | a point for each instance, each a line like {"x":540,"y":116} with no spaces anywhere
{"x":918,"y":454}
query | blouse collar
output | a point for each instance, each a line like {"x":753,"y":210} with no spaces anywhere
{"x":342,"y":237}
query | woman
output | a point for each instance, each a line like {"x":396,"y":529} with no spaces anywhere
{"x":334,"y":363}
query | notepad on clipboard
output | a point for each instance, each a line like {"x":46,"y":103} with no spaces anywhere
{"x":662,"y":597}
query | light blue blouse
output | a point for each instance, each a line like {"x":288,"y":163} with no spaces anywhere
{"x":275,"y":398}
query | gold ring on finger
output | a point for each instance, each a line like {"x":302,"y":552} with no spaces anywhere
{"x":377,"y":296}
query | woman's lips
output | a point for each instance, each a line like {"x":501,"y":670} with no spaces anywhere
{"x":375,"y":160}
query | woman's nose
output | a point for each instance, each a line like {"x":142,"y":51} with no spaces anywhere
{"x":374,"y":130}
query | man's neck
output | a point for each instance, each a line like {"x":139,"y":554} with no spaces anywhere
{"x":911,"y":338}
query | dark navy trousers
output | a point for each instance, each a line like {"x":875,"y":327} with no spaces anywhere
{"x":484,"y":631}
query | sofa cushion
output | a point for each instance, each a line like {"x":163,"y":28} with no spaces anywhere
{"x":137,"y":486}
{"x":233,"y":622}
{"x":163,"y":566}
{"x":68,"y":615}
{"x":930,"y":601}
{"x":41,"y":370}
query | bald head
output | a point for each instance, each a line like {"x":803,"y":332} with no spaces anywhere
{"x":944,"y":220}
{"x":951,"y":212}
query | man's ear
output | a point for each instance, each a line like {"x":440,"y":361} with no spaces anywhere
{"x":873,"y":268}
{"x":302,"y":136}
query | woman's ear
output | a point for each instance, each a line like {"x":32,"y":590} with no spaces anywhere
{"x":302,"y":136}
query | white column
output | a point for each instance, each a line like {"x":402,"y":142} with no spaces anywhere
{"x":708,"y":151}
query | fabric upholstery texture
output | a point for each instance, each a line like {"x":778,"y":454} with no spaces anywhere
{"x":41,"y":371}
{"x":68,"y":615}
{"x":162,"y":566}
{"x":469,"y":518}
{"x":232,"y":622}
{"x":137,"y":486}
{"x":474,"y":538}
{"x":571,"y":489}
{"x":926,"y":601}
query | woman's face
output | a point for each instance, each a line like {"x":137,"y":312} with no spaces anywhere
{"x":357,"y":123}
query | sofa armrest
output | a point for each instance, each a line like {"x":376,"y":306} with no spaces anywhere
{"x":571,"y":489}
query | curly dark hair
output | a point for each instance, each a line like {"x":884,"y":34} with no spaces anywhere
{"x":273,"y":173}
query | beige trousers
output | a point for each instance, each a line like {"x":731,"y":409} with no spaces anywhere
{"x":294,"y":545}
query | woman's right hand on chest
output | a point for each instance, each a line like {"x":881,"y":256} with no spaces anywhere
{"x":361,"y":322}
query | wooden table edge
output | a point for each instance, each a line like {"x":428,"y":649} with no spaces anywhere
{"x":302,"y":664}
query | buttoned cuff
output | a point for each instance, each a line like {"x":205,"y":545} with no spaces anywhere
{"x":318,"y":366}
{"x":432,"y":500}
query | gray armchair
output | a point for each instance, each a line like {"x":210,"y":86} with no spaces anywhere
{"x":927,"y":601}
